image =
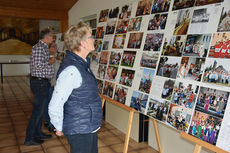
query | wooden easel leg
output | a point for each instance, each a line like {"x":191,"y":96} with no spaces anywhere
{"x":103,"y":102}
{"x":157,"y":135}
{"x":128,"y":132}
{"x":197,"y":149}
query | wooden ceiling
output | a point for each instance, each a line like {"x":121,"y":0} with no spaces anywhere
{"x":38,"y":9}
{"x":39,"y":4}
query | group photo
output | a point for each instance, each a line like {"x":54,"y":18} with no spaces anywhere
{"x":184,"y":94}
{"x":108,"y":89}
{"x":128,"y":58}
{"x":153,"y":42}
{"x":197,"y":45}
{"x":157,"y":22}
{"x":135,"y":40}
{"x":174,"y":46}
{"x":212,"y":101}
{"x":217,"y":72}
{"x":167,"y":89}
{"x":168,"y":67}
{"x":126,"y":77}
{"x":158,"y":109}
{"x":205,"y":127}
{"x":115,"y":58}
{"x":135,"y":24}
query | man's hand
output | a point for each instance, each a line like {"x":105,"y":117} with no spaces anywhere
{"x":58,"y":133}
{"x":51,"y":60}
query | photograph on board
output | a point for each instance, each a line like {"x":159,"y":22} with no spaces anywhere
{"x":217,"y":71}
{"x":173,"y":46}
{"x":158,"y":109}
{"x":191,"y":68}
{"x":184,"y":94}
{"x":157,"y":21}
{"x":120,"y":94}
{"x":197,"y":45}
{"x":153,"y":42}
{"x":149,"y":59}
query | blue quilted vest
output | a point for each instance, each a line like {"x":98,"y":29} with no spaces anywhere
{"x":82,"y":111}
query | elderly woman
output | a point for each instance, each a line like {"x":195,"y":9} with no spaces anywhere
{"x":75,"y":108}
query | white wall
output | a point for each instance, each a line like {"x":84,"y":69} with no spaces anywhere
{"x":170,"y":139}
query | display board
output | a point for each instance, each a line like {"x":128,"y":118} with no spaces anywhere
{"x":169,"y":60}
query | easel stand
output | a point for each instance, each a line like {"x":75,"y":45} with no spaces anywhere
{"x":199,"y":144}
{"x":157,"y":135}
{"x":131,"y":112}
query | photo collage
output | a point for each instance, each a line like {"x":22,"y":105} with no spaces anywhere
{"x":168,"y":60}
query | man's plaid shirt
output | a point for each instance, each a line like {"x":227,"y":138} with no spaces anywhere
{"x":39,"y":61}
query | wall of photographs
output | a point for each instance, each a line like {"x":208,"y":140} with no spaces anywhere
{"x":168,"y":60}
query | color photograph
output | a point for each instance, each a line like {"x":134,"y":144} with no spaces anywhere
{"x":149,"y":59}
{"x":122,"y":26}
{"x":139,"y":101}
{"x":125,"y":12}
{"x":100,"y":32}
{"x":101,"y":71}
{"x":113,"y":13}
{"x":217,"y":72}
{"x":220,"y":45}
{"x":160,"y":6}
{"x":181,"y":4}
{"x":157,"y":21}
{"x":104,"y":57}
{"x":103,"y":15}
{"x":110,"y":28}
{"x":111,"y":73}
{"x":120,"y":94}
{"x":182,"y":22}
{"x":153,"y":42}
{"x":191,"y":68}
{"x":119,"y":41}
{"x":174,"y":46}
{"x":167,"y":89}
{"x":168,"y":67}
{"x":184,"y":94}
{"x":179,"y":117}
{"x":197,"y":45}
{"x":128,"y":58}
{"x":224,"y":24}
{"x":144,"y":7}
{"x":212,"y":101}
{"x":135,"y":40}
{"x":135,"y":24}
{"x":126,"y":77}
{"x":158,"y":109}
{"x":205,"y":2}
{"x":205,"y":127}
{"x":115,"y":58}
{"x":98,"y":45}
{"x":108,"y":89}
{"x":100,"y":84}
{"x":146,"y":80}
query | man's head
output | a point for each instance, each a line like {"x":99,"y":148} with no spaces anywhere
{"x":79,"y":37}
{"x":47,"y":36}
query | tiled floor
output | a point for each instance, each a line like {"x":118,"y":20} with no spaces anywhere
{"x":15,"y":110}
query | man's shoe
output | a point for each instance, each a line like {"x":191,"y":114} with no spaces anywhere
{"x":33,"y":142}
{"x":45,"y":136}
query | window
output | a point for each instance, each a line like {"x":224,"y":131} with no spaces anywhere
{"x":92,"y":22}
